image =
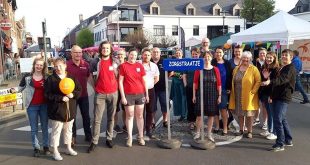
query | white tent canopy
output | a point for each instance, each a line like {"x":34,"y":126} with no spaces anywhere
{"x":281,"y":27}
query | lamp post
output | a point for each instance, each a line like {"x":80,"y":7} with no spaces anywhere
{"x":2,"y":12}
{"x":69,"y":38}
{"x":224,"y":15}
{"x":117,"y":33}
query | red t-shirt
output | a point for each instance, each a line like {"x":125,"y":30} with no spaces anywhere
{"x":133,"y":78}
{"x":106,"y":82}
{"x":38,"y":95}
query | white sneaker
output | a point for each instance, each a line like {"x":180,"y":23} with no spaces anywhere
{"x":57,"y":156}
{"x":265,"y":133}
{"x":271,"y":136}
{"x":211,"y":138}
{"x":196,"y":135}
{"x":264,"y":127}
{"x":71,"y":152}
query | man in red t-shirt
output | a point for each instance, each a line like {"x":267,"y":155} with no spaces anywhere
{"x":106,"y":88}
{"x":79,"y":69}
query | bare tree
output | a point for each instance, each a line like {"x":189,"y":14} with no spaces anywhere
{"x":164,"y":41}
{"x":139,"y":39}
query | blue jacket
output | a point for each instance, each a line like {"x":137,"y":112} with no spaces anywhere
{"x":297,"y":64}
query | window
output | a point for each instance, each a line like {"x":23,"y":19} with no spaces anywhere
{"x":190,"y":11}
{"x":237,"y":12}
{"x":196,"y":30}
{"x":128,"y":15}
{"x":175,"y":30}
{"x":237,"y":28}
{"x":155,"y":10}
{"x":159,"y":30}
{"x":125,"y":31}
{"x":298,"y":9}
{"x":217,"y":12}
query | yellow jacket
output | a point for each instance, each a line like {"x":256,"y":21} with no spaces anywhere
{"x":251,"y":82}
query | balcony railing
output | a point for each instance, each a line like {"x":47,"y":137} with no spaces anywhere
{"x":113,"y":19}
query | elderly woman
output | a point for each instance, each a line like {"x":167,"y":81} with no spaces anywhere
{"x":61,"y":108}
{"x":244,"y":94}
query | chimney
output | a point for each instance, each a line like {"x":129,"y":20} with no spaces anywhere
{"x":81,"y":18}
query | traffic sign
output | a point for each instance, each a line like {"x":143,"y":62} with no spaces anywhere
{"x":183,"y":64}
{"x":5,"y":24}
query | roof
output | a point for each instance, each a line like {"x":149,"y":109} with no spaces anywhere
{"x":176,"y":7}
{"x":36,"y":48}
{"x":305,"y":6}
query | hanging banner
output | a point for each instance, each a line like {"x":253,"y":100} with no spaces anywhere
{"x":268,"y":44}
{"x":243,"y":45}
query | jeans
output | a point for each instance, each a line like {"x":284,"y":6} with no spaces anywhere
{"x":161,"y":96}
{"x":34,"y":112}
{"x":300,"y":88}
{"x":104,"y":102}
{"x":270,"y":112}
{"x":83,"y":104}
{"x":280,"y":122}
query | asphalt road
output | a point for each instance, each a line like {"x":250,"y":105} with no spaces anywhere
{"x":15,"y":148}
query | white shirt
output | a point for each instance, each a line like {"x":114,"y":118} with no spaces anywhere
{"x":151,"y":71}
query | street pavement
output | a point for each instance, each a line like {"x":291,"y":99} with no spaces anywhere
{"x":15,"y":146}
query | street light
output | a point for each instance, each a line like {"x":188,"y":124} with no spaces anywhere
{"x":224,"y":15}
{"x":69,"y":38}
{"x":2,"y":11}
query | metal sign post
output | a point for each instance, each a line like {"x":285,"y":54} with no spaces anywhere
{"x":176,"y":65}
{"x":202,"y":143}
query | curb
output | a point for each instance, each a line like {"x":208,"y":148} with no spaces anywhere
{"x":13,"y":118}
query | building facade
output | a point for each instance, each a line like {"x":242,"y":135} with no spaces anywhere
{"x":11,"y":38}
{"x":163,"y":18}
{"x":302,"y":10}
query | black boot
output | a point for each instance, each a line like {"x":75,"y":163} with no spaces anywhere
{"x":46,"y":151}
{"x":91,"y":148}
{"x":36,"y":152}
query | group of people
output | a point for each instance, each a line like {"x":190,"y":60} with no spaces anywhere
{"x":237,"y":88}
{"x":231,"y":88}
{"x":116,"y":82}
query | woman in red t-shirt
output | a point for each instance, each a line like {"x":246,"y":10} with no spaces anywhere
{"x":134,"y":93}
{"x":33,"y":86}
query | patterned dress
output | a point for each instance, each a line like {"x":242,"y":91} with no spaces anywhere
{"x":210,"y":94}
{"x":238,"y":90}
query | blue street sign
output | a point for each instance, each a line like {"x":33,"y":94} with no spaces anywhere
{"x":183,"y":64}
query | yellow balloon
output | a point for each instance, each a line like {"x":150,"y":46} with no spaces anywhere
{"x":66,"y":86}
{"x":226,"y":46}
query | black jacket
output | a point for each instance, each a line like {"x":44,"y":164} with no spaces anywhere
{"x":266,"y":90}
{"x":229,"y":71}
{"x":160,"y":85}
{"x":56,"y":108}
{"x":283,"y":84}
